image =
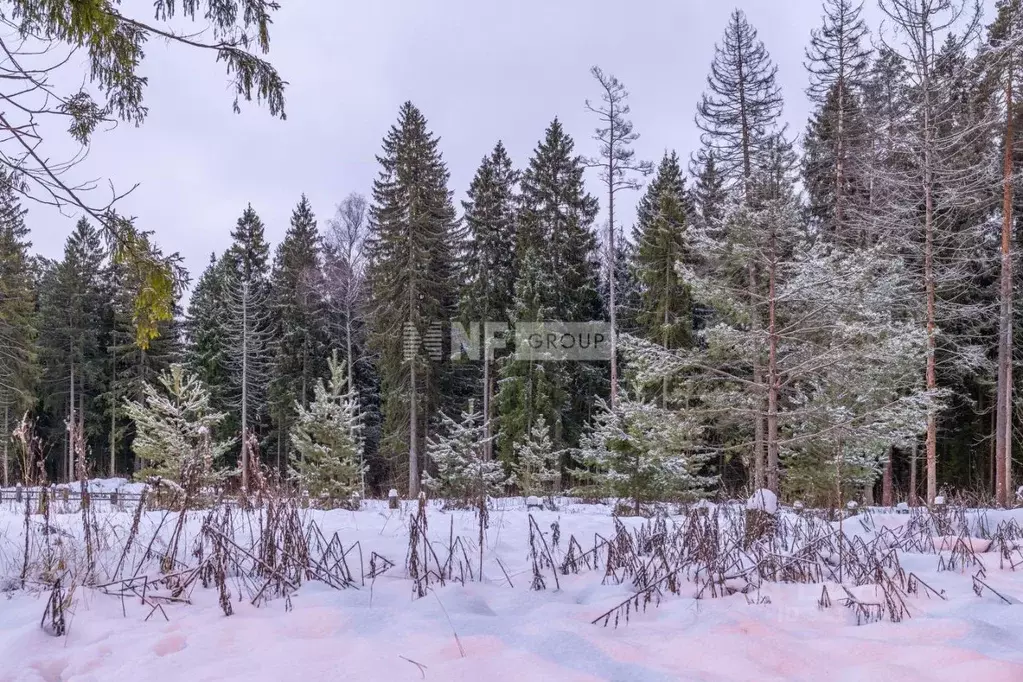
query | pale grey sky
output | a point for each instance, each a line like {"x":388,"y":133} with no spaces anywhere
{"x":480,"y":71}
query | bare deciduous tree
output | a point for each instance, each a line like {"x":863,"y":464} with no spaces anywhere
{"x":618,"y":170}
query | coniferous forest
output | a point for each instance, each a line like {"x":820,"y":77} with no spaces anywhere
{"x":825,"y":312}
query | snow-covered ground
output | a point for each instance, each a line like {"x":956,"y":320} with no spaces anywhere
{"x":500,"y":629}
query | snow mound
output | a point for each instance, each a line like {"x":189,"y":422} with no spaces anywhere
{"x":944,"y":543}
{"x":763,"y":500}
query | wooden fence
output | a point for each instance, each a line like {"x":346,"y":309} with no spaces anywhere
{"x":20,"y":495}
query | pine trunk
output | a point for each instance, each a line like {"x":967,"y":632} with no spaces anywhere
{"x":747,"y":173}
{"x":1003,"y":422}
{"x":413,"y":446}
{"x":488,"y":446}
{"x":929,"y":285}
{"x":913,"y":501}
{"x":664,"y":380}
{"x":245,"y":387}
{"x":759,"y":464}
{"x":113,"y":416}
{"x":886,"y":480}
{"x":611,"y":274}
{"x":839,"y":160}
{"x":773,"y":381}
{"x":70,"y":430}
{"x":351,"y":387}
{"x":80,"y":431}
{"x":7,"y":441}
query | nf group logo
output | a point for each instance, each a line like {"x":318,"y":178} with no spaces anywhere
{"x":561,"y":341}
{"x":534,"y":341}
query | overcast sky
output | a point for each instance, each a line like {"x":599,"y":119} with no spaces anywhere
{"x":480,"y":71}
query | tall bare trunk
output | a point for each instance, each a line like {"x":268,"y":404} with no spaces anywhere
{"x":413,"y":446}
{"x":929,"y":285}
{"x":80,"y":429}
{"x":913,"y":501}
{"x":664,"y":379}
{"x":245,"y":388}
{"x":611,"y":278}
{"x":839,"y":160}
{"x":7,"y":440}
{"x":70,"y":470}
{"x":759,"y":463}
{"x":886,"y":480}
{"x":351,"y":387}
{"x":114,"y":413}
{"x":1003,"y":422}
{"x":488,"y":446}
{"x":773,"y":380}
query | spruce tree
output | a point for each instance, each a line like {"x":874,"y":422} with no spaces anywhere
{"x":411,"y":280}
{"x":463,"y":474}
{"x":557,"y":281}
{"x":882,"y":158}
{"x":74,"y":315}
{"x":529,"y":389}
{"x":175,"y":427}
{"x":662,"y":215}
{"x":738,"y":117}
{"x":838,"y":62}
{"x":247,"y":330}
{"x":326,"y":436}
{"x":489,"y":264}
{"x":346,"y":298}
{"x":643,"y":453}
{"x":537,"y":463}
{"x":206,"y":331}
{"x":18,"y":324}
{"x":709,"y":195}
{"x":556,"y":218}
{"x":299,"y":321}
{"x":129,"y":366}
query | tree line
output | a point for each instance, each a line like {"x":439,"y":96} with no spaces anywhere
{"x":823,"y":314}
